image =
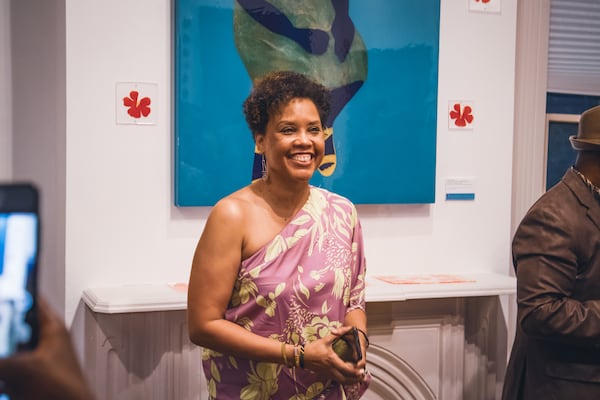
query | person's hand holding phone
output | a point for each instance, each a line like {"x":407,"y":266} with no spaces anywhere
{"x":51,"y":371}
{"x":348,"y":346}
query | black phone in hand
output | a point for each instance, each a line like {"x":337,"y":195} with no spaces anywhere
{"x":19,"y":250}
{"x":347,"y":347}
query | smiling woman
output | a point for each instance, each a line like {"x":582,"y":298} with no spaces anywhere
{"x":279,"y":271}
{"x":293,"y":138}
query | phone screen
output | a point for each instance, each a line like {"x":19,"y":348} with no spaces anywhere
{"x":19,"y":247}
{"x":18,"y":252}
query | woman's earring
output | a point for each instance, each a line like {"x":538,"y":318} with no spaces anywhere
{"x":264,"y":169}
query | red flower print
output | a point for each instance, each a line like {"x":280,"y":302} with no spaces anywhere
{"x":483,"y":1}
{"x":461,"y":118}
{"x":137,"y":109}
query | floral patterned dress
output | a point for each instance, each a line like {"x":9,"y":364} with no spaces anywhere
{"x":295,"y":289}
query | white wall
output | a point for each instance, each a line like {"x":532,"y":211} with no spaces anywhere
{"x":477,"y":54}
{"x":5,"y":93}
{"x":38,"y":142}
{"x":121,"y":227}
{"x":120,"y":224}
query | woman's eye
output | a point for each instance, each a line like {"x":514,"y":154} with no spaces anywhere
{"x":287,"y":131}
{"x":315,"y":130}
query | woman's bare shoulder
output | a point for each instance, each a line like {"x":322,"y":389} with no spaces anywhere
{"x":235,"y":206}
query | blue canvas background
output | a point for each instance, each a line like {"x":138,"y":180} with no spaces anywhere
{"x":385,"y":137}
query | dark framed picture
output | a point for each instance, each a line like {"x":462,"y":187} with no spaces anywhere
{"x":559,"y":155}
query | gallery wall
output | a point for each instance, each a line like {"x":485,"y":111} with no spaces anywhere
{"x":5,"y":94}
{"x":120,"y":224}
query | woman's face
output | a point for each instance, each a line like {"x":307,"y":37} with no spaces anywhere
{"x":293,"y":143}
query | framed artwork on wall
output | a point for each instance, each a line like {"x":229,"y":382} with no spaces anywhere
{"x":379,"y":59}
{"x":559,"y":153}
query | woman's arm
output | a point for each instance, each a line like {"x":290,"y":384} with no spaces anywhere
{"x":214,"y":271}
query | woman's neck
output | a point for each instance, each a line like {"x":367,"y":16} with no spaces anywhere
{"x":284,"y":200}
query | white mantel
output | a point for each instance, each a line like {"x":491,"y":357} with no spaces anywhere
{"x":173,"y":296}
{"x":438,"y":340}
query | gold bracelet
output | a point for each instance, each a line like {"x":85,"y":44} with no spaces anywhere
{"x":296,"y":356}
{"x":301,"y":358}
{"x":284,"y":355}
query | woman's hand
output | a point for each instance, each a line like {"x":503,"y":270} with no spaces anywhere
{"x":320,"y":358}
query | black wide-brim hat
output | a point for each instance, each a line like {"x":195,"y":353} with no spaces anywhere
{"x":588,"y":135}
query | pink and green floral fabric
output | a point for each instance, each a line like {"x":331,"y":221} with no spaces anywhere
{"x":295,"y":289}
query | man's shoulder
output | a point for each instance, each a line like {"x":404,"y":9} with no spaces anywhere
{"x":555,"y":200}
{"x":560,"y":205}
{"x":570,"y":188}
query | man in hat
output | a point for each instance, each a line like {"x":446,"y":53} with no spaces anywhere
{"x":556,"y":256}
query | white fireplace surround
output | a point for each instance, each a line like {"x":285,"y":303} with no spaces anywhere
{"x":428,"y":341}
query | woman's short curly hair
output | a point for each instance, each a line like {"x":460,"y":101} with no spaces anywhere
{"x":275,"y":90}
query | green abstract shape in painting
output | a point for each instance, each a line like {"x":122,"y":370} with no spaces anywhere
{"x":313,"y":37}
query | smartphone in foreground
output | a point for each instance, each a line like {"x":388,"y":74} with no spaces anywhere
{"x":19,"y":248}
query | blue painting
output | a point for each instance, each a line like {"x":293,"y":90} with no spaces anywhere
{"x":379,"y":58}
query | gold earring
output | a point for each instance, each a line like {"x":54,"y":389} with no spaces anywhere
{"x":265,"y":174}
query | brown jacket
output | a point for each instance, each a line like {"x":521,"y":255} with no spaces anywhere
{"x":556,"y":255}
